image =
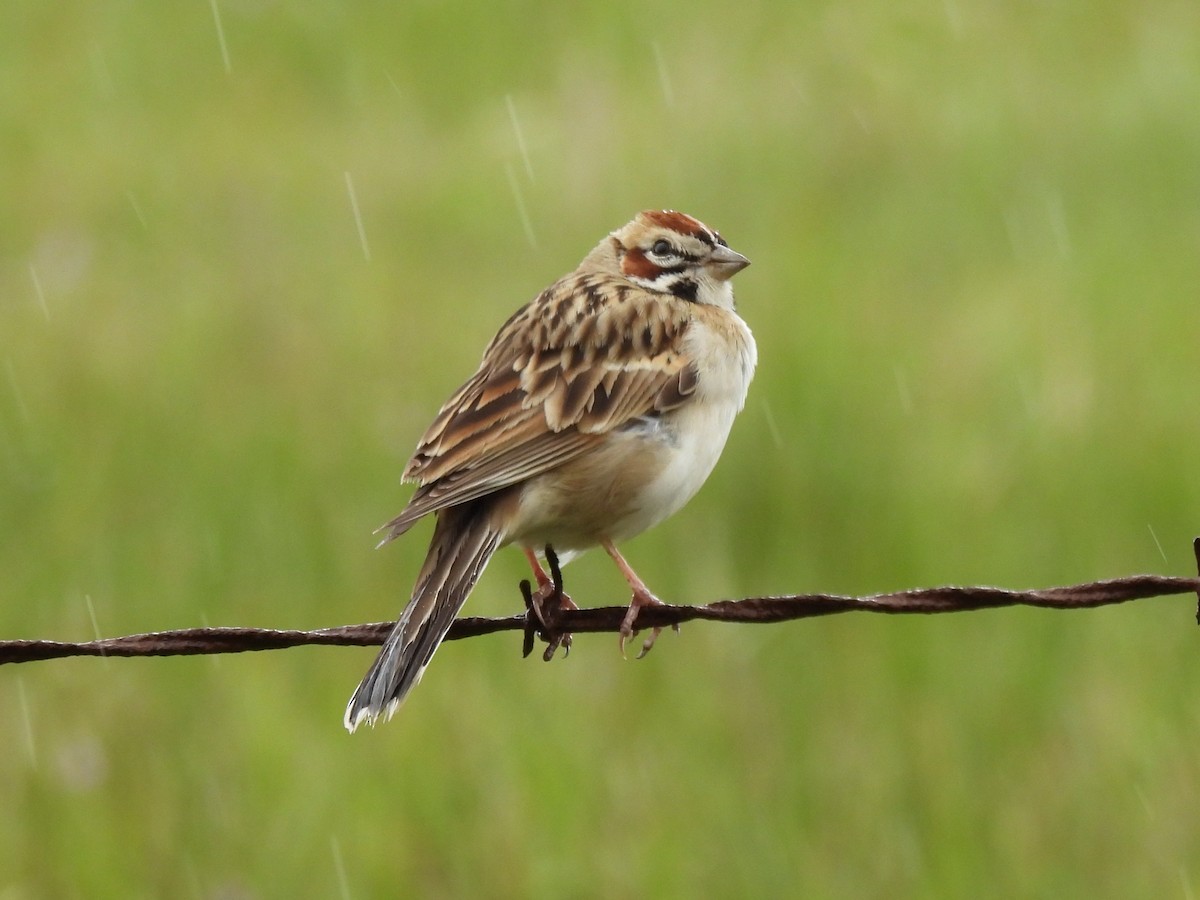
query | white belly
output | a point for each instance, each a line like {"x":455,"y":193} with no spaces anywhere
{"x":647,"y":471}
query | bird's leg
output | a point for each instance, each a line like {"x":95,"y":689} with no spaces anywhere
{"x":548,"y":600}
{"x":641,"y":597}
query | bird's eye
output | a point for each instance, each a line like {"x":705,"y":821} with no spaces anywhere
{"x":661,"y":248}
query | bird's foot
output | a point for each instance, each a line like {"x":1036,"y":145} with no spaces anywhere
{"x":640,"y":599}
{"x":549,"y":601}
{"x":544,"y":608}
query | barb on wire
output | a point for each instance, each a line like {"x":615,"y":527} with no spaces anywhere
{"x":192,"y":641}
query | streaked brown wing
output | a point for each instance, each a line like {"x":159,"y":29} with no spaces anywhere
{"x":582,"y":359}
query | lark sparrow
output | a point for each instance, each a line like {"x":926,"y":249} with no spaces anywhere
{"x":598,"y":410}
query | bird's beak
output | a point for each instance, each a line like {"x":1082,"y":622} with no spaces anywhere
{"x":724,"y":263}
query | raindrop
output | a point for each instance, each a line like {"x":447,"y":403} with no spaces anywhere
{"x":220,"y":35}
{"x":512,"y":115}
{"x":953,"y":17}
{"x":1157,"y":544}
{"x":37,"y":287}
{"x":91,"y":608}
{"x":664,"y":79}
{"x":104,"y":82}
{"x":521,"y":211}
{"x":340,"y":867}
{"x":1188,"y":893}
{"x":362,"y":232}
{"x":1058,"y":223}
{"x":1141,"y":795}
{"x":772,"y":427}
{"x":137,"y":209}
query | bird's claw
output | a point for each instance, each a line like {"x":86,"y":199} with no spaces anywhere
{"x":543,"y":608}
{"x":554,"y":641}
{"x":628,"y":631}
{"x":548,"y":606}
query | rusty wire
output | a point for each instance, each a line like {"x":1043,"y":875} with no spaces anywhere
{"x":193,"y":641}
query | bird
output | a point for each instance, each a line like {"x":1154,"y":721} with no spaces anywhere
{"x":598,"y":410}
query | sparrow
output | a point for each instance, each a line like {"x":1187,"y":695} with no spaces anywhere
{"x":597,"y":411}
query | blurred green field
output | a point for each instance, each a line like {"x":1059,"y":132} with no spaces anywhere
{"x":976,"y":289}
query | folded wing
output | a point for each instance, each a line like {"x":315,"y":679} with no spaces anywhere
{"x":566,"y":369}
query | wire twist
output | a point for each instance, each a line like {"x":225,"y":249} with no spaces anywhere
{"x":194,"y":641}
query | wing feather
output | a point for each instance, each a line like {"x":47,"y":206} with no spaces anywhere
{"x":582,"y":359}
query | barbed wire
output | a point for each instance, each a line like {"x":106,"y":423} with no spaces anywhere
{"x":551,"y":625}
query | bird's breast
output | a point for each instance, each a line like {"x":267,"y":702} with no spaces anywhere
{"x":643,"y":472}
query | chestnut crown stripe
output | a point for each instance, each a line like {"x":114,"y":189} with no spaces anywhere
{"x":683,"y":224}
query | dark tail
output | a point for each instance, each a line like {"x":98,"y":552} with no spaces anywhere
{"x":463,"y":542}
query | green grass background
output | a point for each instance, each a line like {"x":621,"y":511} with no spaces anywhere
{"x":975,"y":230}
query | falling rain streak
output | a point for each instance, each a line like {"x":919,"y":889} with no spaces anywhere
{"x":220,"y":35}
{"x":772,"y":427}
{"x":137,"y":209}
{"x":37,"y":289}
{"x":358,"y":221}
{"x":524,"y":151}
{"x":1157,"y":544}
{"x":664,"y":79}
{"x":103,"y":77}
{"x":91,"y":608}
{"x":521,"y":211}
{"x":339,"y":867}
